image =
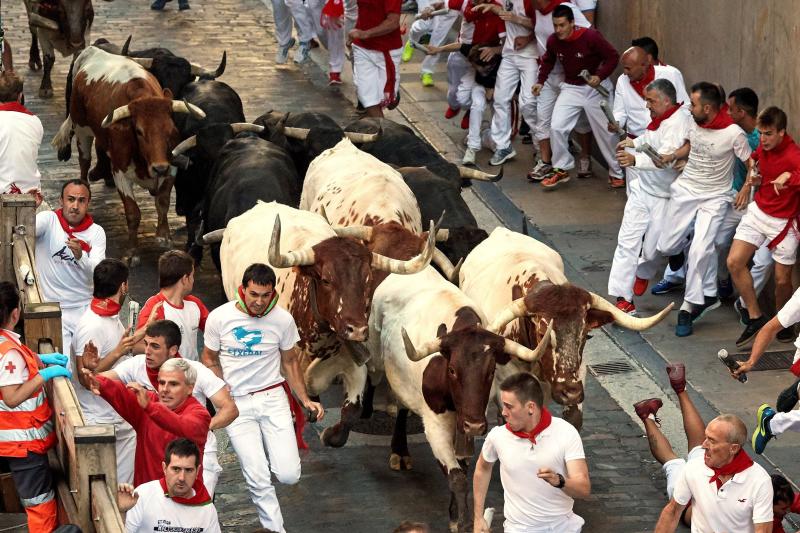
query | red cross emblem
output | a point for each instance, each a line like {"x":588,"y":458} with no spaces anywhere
{"x":10,"y":367}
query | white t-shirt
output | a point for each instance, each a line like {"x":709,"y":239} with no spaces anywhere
{"x":744,"y":500}
{"x":515,"y":30}
{"x":20,"y":137}
{"x":13,"y":370}
{"x":63,"y":278}
{"x":586,"y":5}
{"x":190,"y":317}
{"x":630,"y":109}
{"x":789,"y":314}
{"x":249,"y":346}
{"x":529,"y":501}
{"x":156,"y":512}
{"x":709,"y":171}
{"x":105,"y":332}
{"x":670,"y":135}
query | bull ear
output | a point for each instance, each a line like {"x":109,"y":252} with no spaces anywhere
{"x":167,"y":94}
{"x":442,"y":331}
{"x":596,"y":318}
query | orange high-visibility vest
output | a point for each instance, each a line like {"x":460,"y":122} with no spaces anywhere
{"x":27,"y":427}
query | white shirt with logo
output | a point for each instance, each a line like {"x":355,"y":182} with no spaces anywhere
{"x":709,"y":171}
{"x":531,"y":503}
{"x":189,"y":317}
{"x":63,"y":278}
{"x":249,"y":347}
{"x":154,"y":511}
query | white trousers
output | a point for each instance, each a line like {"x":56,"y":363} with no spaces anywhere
{"x":707,"y":213}
{"x":544,"y":109}
{"x":457,"y":66}
{"x":70,"y":316}
{"x":472,"y":95}
{"x":513,"y":70}
{"x":438,"y":27}
{"x":284,"y":11}
{"x":636,"y":253}
{"x":263,"y":438}
{"x":211,"y":467}
{"x":569,"y":523}
{"x":783,"y":422}
{"x":331,"y":38}
{"x":369,"y":74}
{"x":571,"y":101}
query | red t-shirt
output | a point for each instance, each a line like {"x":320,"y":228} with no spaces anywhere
{"x":488,"y":26}
{"x":772,"y":163}
{"x":372,"y":13}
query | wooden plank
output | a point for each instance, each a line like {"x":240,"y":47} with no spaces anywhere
{"x":25,"y":270}
{"x":97,"y":458}
{"x":105,"y":513}
{"x":42,"y":323}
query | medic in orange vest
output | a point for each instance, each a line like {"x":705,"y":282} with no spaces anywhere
{"x":26,"y":425}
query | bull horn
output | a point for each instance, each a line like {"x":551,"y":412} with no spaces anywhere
{"x":363,"y":233}
{"x":525,"y":230}
{"x":127,"y":46}
{"x":296,"y":133}
{"x":213,"y":237}
{"x":625,"y":320}
{"x":512,"y":311}
{"x":323,"y":214}
{"x":361,"y":137}
{"x":145,"y":62}
{"x":43,"y":22}
{"x":238,"y":127}
{"x":475,"y":174}
{"x":197,"y":70}
{"x":443,"y":262}
{"x":185,"y":145}
{"x":289,"y":259}
{"x":418,"y":354}
{"x":118,"y":114}
{"x":526,"y":354}
{"x":411,"y":266}
{"x":442,"y":235}
{"x":182,"y":106}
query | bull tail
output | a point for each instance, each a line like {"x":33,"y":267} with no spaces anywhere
{"x":68,"y":88}
{"x":63,"y":140}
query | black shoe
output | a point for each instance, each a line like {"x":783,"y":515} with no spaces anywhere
{"x":684,"y":326}
{"x":751,"y":330}
{"x":700,"y":311}
{"x":788,"y":398}
{"x":786,"y":335}
{"x":744,"y":315}
{"x":676,"y":261}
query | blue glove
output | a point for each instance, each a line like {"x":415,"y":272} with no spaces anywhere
{"x":54,"y":371}
{"x":54,"y":358}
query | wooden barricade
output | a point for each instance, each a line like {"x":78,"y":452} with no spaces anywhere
{"x":84,"y":459}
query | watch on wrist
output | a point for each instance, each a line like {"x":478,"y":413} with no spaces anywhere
{"x":561,"y":481}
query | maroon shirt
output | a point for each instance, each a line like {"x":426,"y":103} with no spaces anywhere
{"x":590,"y":51}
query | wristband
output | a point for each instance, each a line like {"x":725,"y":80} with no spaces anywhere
{"x":561,"y":482}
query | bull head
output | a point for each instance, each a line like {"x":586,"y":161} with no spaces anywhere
{"x":236,"y":127}
{"x":202,"y":73}
{"x":76,"y":16}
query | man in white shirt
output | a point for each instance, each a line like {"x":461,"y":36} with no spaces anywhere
{"x":250,"y":342}
{"x":176,"y":281}
{"x":727,"y":490}
{"x":68,"y":247}
{"x":700,"y":197}
{"x":636,"y":256}
{"x":437,"y":27}
{"x":20,"y":137}
{"x":170,"y":503}
{"x":162,"y":339}
{"x":542,"y":464}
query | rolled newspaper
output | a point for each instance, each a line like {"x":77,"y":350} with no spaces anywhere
{"x":418,"y":46}
{"x":600,"y":89}
{"x":650,"y":152}
{"x":133,"y":317}
{"x":488,"y":515}
{"x":433,"y":13}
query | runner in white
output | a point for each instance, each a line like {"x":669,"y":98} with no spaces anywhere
{"x":250,"y":342}
{"x":457,"y":64}
{"x":20,"y":137}
{"x":68,"y":247}
{"x":285,"y":12}
{"x":437,"y":27}
{"x":588,"y":8}
{"x":542,"y":464}
{"x":170,"y":503}
{"x":176,"y":281}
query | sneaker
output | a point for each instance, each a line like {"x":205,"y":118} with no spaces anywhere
{"x":301,"y":54}
{"x":584,"y":168}
{"x":751,"y":330}
{"x":684,"y":326}
{"x":409,"y":6}
{"x":700,"y":311}
{"x":625,"y":306}
{"x":469,"y":157}
{"x":502,"y":155}
{"x":676,"y":261}
{"x":556,"y":178}
{"x":282,"y":55}
{"x":465,"y":121}
{"x":786,"y":335}
{"x":725,"y":288}
{"x":664,"y":286}
{"x":158,"y":5}
{"x":427,"y":79}
{"x":334,"y":78}
{"x":450,"y":112}
{"x":640,"y":286}
{"x":616,"y":183}
{"x":648,"y":407}
{"x":744,"y":315}
{"x":677,"y":377}
{"x":540,"y":171}
{"x":762,"y":433}
{"x":788,"y":398}
{"x":408,"y":52}
{"x":183,"y":6}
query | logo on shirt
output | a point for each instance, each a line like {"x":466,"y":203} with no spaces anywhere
{"x":166,"y":525}
{"x":66,"y":256}
{"x":743,"y":500}
{"x":248,"y":338}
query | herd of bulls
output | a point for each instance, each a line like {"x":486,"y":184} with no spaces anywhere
{"x":339,"y":214}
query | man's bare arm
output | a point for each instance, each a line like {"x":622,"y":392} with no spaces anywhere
{"x":210,"y":358}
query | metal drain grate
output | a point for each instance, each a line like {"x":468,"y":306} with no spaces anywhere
{"x":610,"y":368}
{"x":777,"y":360}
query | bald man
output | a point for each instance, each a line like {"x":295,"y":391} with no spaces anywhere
{"x":727,"y":490}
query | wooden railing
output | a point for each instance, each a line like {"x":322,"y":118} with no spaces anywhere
{"x":85,"y":458}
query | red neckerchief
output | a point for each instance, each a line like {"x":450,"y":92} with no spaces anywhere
{"x":576,"y":34}
{"x":639,"y":86}
{"x":721,"y":121}
{"x":152,"y":374}
{"x":543,"y":424}
{"x":200,"y":497}
{"x":333,"y":9}
{"x":551,"y":6}
{"x":741,"y":462}
{"x":71,"y":230}
{"x":14,"y":106}
{"x":656,"y":122}
{"x":243,"y":303}
{"x":105,"y":307}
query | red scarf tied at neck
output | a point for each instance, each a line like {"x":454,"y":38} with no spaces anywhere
{"x":649,"y":76}
{"x":576,"y":34}
{"x":721,"y":121}
{"x":656,"y":122}
{"x":105,"y":307}
{"x":544,"y":423}
{"x":71,"y":230}
{"x":200,"y":497}
{"x":152,"y":374}
{"x":243,"y":303}
{"x":14,"y":106}
{"x":741,"y":462}
{"x":551,"y":6}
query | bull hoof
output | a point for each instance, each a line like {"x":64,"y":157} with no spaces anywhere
{"x":34,"y":63}
{"x":132,"y":260}
{"x":65,"y":153}
{"x":395,"y":463}
{"x":573,"y":415}
{"x":164,"y":242}
{"x":334,"y":436}
{"x":406,"y":462}
{"x":46,"y":92}
{"x":96,"y":175}
{"x":109,"y":182}
{"x":452,"y":527}
{"x":197,"y":253}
